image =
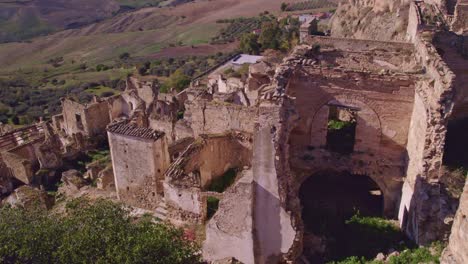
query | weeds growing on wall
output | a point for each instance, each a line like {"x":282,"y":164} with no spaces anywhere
{"x":212,"y":204}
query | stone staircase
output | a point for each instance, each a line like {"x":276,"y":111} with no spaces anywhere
{"x":160,"y":212}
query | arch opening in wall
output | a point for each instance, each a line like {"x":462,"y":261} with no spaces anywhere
{"x":329,"y":200}
{"x":341,"y":129}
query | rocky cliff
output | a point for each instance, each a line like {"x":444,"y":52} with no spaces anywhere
{"x":371,"y":19}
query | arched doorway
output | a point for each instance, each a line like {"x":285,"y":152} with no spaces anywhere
{"x":328,"y":200}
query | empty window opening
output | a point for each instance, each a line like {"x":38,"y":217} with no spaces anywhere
{"x":79,"y":121}
{"x":131,"y":106}
{"x":341,"y":127}
{"x":331,"y":201}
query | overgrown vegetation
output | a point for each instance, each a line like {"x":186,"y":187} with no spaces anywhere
{"x":362,"y":238}
{"x":99,"y":232}
{"x":221,"y":183}
{"x":239,"y":26}
{"x":407,"y":256}
{"x":282,"y":35}
{"x":212,"y":204}
{"x":22,"y":102}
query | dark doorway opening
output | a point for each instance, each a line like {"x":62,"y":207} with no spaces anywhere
{"x":328,"y":200}
{"x":79,"y":121}
{"x":341,"y":134}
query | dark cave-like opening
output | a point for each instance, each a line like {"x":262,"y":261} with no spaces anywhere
{"x":328,"y":201}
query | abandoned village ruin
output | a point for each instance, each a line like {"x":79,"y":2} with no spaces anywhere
{"x":390,"y":102}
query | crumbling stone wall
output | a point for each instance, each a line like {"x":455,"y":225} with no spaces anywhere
{"x":207,"y":158}
{"x":457,"y":250}
{"x":423,"y":211}
{"x":146,"y":90}
{"x":139,"y":159}
{"x":87,"y":119}
{"x":22,"y":161}
{"x":207,"y":117}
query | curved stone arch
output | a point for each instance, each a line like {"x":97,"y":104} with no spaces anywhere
{"x":387,"y":199}
{"x":368,"y":129}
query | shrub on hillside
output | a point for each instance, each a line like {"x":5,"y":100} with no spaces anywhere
{"x":100,"y":232}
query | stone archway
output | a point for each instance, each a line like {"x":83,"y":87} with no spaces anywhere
{"x":328,"y":199}
{"x":368,"y":128}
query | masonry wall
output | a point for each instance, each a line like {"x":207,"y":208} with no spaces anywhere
{"x":88,"y":119}
{"x":97,"y":118}
{"x":422,"y":210}
{"x":217,"y":117}
{"x":384,"y":106}
{"x":139,"y":167}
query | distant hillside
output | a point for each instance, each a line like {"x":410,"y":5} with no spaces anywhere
{"x":23,"y":19}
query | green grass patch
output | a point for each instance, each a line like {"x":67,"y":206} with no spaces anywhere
{"x":407,"y":256}
{"x":212,"y":205}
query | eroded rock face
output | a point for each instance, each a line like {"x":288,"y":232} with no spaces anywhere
{"x":457,"y":250}
{"x":371,"y":19}
{"x":29,"y":198}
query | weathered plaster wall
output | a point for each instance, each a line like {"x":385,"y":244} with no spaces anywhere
{"x":230,"y":232}
{"x":273,"y":231}
{"x":139,"y":166}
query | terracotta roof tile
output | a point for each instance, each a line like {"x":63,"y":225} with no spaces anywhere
{"x":130,"y":129}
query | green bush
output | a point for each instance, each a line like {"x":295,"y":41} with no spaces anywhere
{"x":100,"y":232}
{"x":375,"y":235}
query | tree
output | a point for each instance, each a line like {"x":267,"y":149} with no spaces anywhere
{"x":284,"y":6}
{"x":99,"y":232}
{"x":269,"y":38}
{"x":249,"y":43}
{"x":124,"y":56}
{"x":178,"y":80}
